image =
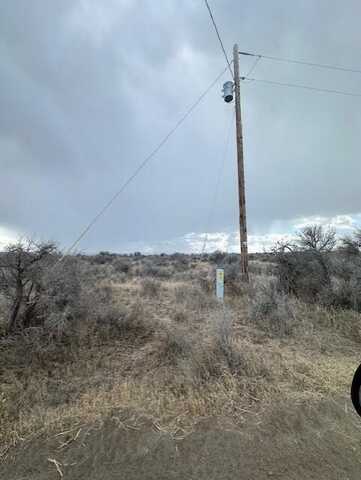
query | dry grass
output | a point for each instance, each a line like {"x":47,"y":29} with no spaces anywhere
{"x":263,"y":380}
{"x":150,"y":287}
{"x":166,"y":348}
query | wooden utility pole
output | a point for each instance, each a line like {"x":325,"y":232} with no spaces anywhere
{"x":241,"y":184}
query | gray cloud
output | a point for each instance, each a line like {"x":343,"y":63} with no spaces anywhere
{"x":89,"y":88}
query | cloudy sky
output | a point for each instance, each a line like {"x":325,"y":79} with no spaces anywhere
{"x":90,"y":87}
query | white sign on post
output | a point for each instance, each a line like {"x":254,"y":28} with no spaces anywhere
{"x":220,"y":283}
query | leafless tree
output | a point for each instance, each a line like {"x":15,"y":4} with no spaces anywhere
{"x":319,"y":242}
{"x":316,"y":238}
{"x":21,"y":268}
{"x":304,"y":264}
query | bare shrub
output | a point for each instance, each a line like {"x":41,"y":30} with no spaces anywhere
{"x":5,"y":415}
{"x":231,"y":258}
{"x":252,"y":361}
{"x":156,"y":267}
{"x":150,"y":287}
{"x":194,"y":298}
{"x":232,"y":273}
{"x":272,"y":310}
{"x":151,"y":270}
{"x":311,"y":270}
{"x":301,"y":274}
{"x":233,"y":283}
{"x":121,"y":265}
{"x":210,"y":355}
{"x":217,"y":257}
{"x":343,"y":293}
{"x":180,"y":262}
{"x":192,"y":354}
{"x":4,"y":314}
{"x":61,"y":299}
{"x":346,"y":322}
{"x":258,"y":267}
{"x":180,"y":314}
{"x":22,"y":267}
{"x":177,"y":343}
{"x":206,"y":281}
{"x":304,"y":266}
{"x":103,"y":317}
{"x":203,"y":365}
{"x":46,"y":294}
{"x":102,"y":258}
{"x":139,"y":321}
{"x":133,"y":322}
{"x":351,"y":244}
{"x":92,"y":273}
{"x":346,"y":285}
{"x":190,"y":275}
{"x":163,"y":273}
{"x":233,"y":355}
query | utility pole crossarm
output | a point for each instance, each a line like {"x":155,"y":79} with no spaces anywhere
{"x":240,"y":162}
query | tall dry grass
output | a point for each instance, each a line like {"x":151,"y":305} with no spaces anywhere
{"x":167,"y":348}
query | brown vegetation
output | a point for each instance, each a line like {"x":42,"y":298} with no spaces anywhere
{"x":117,"y":332}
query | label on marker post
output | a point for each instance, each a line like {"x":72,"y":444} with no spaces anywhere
{"x":220,"y":283}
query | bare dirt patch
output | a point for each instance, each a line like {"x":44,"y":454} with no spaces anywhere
{"x":305,"y":440}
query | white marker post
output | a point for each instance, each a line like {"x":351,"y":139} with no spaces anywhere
{"x":220,"y":284}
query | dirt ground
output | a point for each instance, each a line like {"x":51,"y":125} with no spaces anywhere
{"x":298,"y":441}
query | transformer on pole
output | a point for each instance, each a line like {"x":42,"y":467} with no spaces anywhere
{"x":228,"y":91}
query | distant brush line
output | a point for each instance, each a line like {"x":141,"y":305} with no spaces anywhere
{"x":304,"y":87}
{"x":302,"y":62}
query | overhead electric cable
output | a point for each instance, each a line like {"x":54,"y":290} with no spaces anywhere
{"x":254,"y":65}
{"x":142,"y":165}
{"x":219,"y":37}
{"x":304,"y":87}
{"x":301,"y":62}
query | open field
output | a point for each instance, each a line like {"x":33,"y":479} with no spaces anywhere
{"x":159,"y":380}
{"x":180,"y":240}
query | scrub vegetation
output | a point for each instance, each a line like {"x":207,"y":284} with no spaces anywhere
{"x":87,"y":336}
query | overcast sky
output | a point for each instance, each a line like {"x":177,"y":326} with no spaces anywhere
{"x":89,"y":88}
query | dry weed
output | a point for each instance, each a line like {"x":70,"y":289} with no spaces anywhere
{"x":176,"y":357}
{"x":150,"y":287}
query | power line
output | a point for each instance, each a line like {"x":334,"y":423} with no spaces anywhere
{"x":219,"y":37}
{"x":304,"y":87}
{"x":301,"y":62}
{"x":142,"y":165}
{"x":254,"y":65}
{"x":218,"y":184}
